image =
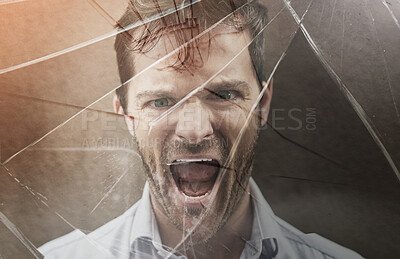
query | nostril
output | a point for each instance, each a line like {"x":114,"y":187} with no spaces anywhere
{"x":193,"y":134}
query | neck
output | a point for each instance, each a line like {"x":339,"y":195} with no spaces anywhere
{"x":228,"y":242}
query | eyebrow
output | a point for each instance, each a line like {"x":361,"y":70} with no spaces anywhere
{"x":154,"y":94}
{"x":234,"y":84}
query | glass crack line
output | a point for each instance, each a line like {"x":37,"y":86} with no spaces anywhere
{"x":21,"y":237}
{"x":333,"y":11}
{"x":322,"y":12}
{"x":343,"y":34}
{"x":92,"y":41}
{"x":202,"y":86}
{"x":315,"y":181}
{"x":353,"y":102}
{"x":308,"y":149}
{"x":109,"y":191}
{"x":56,"y":103}
{"x":385,"y":62}
{"x":19,"y":234}
{"x":112,"y":90}
{"x":26,"y":188}
{"x":4,"y":2}
{"x":223,"y":172}
{"x":392,"y":14}
{"x":251,"y":113}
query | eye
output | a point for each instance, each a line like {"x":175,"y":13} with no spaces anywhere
{"x":224,"y":94}
{"x":162,"y":102}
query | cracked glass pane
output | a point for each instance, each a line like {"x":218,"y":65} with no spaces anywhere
{"x":161,"y":128}
{"x":357,"y":45}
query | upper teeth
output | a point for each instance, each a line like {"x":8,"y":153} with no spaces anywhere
{"x":183,"y":161}
{"x":194,"y":160}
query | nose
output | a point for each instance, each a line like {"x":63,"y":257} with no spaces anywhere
{"x":194,"y":122}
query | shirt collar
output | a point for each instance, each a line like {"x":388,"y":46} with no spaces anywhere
{"x":265,"y":231}
{"x":144,"y":223}
{"x":264,"y":225}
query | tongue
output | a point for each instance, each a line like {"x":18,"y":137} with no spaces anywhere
{"x":195,"y":189}
{"x":196,"y":179}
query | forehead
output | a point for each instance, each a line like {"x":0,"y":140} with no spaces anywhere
{"x":222,"y":55}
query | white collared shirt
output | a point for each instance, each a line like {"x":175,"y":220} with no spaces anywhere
{"x":135,"y":234}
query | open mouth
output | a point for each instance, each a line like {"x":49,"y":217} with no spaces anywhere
{"x":195,"y":178}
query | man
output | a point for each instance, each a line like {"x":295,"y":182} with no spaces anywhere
{"x":194,"y":96}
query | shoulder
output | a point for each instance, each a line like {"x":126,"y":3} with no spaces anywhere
{"x":292,"y":243}
{"x":73,"y":245}
{"x":313,"y":245}
{"x":98,"y":244}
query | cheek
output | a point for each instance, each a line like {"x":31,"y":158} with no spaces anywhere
{"x":153,"y":139}
{"x":229,"y":122}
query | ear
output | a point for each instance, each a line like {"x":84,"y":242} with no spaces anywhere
{"x":117,"y":105}
{"x":265,"y":102}
{"x":119,"y":110}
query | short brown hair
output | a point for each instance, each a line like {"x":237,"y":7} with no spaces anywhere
{"x":251,"y":16}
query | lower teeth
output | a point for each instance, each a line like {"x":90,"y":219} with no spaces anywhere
{"x":196,"y":197}
{"x":194,"y":189}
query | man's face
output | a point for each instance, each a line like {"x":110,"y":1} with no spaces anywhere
{"x":186,"y":152}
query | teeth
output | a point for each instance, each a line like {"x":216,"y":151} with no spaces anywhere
{"x":194,"y":160}
{"x":196,"y":197}
{"x":184,"y":161}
